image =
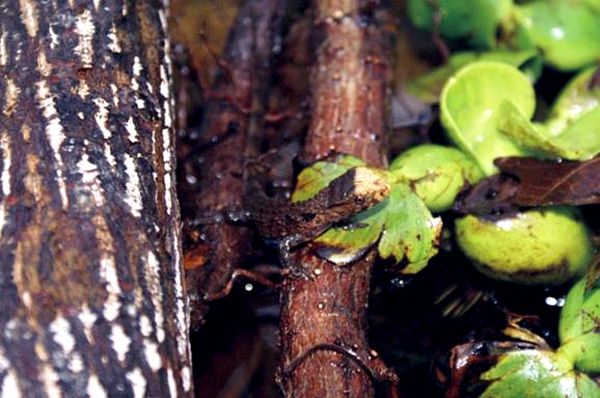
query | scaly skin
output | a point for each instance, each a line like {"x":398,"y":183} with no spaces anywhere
{"x":354,"y":191}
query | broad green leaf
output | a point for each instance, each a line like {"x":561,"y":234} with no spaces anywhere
{"x":580,"y":141}
{"x":575,"y":100}
{"x":402,"y":221}
{"x":436,"y":173}
{"x":410,"y":231}
{"x":407,"y":229}
{"x":537,"y":374}
{"x":469,"y":103}
{"x":345,"y":244}
{"x":545,"y":246}
{"x":594,"y":4}
{"x":573,"y":321}
{"x":313,"y":179}
{"x":583,"y":351}
{"x":473,"y":20}
{"x":428,"y":87}
{"x":582,"y":138}
{"x":579,"y":325}
{"x":566,"y":31}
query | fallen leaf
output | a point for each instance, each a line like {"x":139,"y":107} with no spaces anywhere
{"x":548,"y":183}
{"x":531,"y":182}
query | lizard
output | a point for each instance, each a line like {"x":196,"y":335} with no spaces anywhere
{"x":288,"y":224}
{"x":285,"y":225}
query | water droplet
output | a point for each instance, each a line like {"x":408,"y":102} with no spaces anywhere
{"x":320,"y":306}
{"x":398,"y":282}
{"x":249,"y":287}
{"x":191,"y":179}
{"x":317,"y":271}
{"x":551,"y":301}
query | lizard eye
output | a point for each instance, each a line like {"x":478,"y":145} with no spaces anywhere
{"x":308,"y":216}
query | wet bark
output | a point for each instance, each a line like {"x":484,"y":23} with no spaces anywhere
{"x":91,"y":292}
{"x":228,"y":137}
{"x":349,"y":87}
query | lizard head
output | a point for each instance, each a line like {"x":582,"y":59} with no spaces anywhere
{"x":357,"y":189}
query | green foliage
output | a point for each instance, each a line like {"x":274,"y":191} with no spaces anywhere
{"x":541,"y":246}
{"x":475,"y":20}
{"x":402,"y":224}
{"x":567,"y":32}
{"x":579,"y":331}
{"x":436,"y":173}
{"x":575,"y":101}
{"x":580,"y":141}
{"x":468,"y":105}
{"x":428,"y":87}
{"x":570,"y":132}
{"x":537,"y":374}
{"x":316,"y":177}
{"x":486,"y":109}
{"x":562,"y":373}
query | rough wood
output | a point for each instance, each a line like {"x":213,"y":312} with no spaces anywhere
{"x":349,"y":86}
{"x":227,"y":138}
{"x":91,"y":295}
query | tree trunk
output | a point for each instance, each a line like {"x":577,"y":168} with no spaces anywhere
{"x":91,"y":295}
{"x":349,"y":87}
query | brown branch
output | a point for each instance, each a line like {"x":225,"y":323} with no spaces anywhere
{"x":230,"y":122}
{"x":349,"y":86}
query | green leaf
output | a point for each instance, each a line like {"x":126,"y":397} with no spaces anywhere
{"x":428,"y":87}
{"x":548,"y":245}
{"x":580,"y":141}
{"x":583,"y":351}
{"x":473,"y":20}
{"x":313,"y":179}
{"x":571,"y":130}
{"x":537,"y":374}
{"x":406,"y":227}
{"x":468,"y":106}
{"x":436,"y":173}
{"x":579,"y":330}
{"x":575,"y":100}
{"x":566,"y":31}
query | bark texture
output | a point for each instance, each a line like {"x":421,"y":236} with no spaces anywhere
{"x":349,"y":87}
{"x":229,"y":136}
{"x":91,"y":293}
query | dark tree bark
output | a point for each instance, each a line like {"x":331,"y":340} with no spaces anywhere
{"x":91,"y":294}
{"x":229,"y":136}
{"x":349,"y":87}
